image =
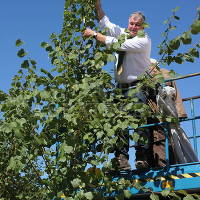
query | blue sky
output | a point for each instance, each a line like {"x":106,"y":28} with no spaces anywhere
{"x":34,"y":21}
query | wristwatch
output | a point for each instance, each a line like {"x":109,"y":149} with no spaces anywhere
{"x":95,"y":34}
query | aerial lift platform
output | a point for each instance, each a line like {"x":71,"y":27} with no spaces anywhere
{"x":179,"y":177}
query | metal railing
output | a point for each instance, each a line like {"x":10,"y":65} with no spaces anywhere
{"x":193,"y":118}
{"x":166,"y":125}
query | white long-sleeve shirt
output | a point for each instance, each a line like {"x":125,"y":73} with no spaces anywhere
{"x":137,"y":57}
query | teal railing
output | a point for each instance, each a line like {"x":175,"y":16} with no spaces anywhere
{"x":193,"y":119}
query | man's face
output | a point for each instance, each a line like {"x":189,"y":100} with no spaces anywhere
{"x":135,"y":24}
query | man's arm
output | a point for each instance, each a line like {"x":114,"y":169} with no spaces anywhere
{"x":100,"y":11}
{"x":90,"y":33}
{"x":135,"y":45}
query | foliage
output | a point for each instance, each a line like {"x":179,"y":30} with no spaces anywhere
{"x":57,"y":127}
{"x":169,"y":47}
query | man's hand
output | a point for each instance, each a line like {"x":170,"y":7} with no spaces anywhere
{"x":88,"y":33}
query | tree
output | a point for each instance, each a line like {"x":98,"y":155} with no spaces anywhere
{"x":58,"y":126}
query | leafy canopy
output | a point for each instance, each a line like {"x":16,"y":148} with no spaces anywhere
{"x":57,"y":127}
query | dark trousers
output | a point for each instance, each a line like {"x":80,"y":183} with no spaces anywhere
{"x":154,"y":151}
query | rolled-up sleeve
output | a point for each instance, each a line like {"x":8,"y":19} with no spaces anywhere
{"x":135,"y":44}
{"x":110,"y":40}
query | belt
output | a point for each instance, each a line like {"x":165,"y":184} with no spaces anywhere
{"x":127,"y":85}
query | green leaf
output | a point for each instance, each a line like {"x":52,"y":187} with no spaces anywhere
{"x":88,"y":46}
{"x":176,"y":9}
{"x":186,"y":38}
{"x":21,"y":53}
{"x":47,"y":73}
{"x":169,"y":119}
{"x":134,"y":125}
{"x":195,"y":27}
{"x":120,"y":197}
{"x":145,"y":25}
{"x":102,"y":108}
{"x":76,"y":183}
{"x":141,"y":33}
{"x":166,"y":21}
{"x":53,"y":36}
{"x":89,"y":195}
{"x":194,"y":52}
{"x":11,"y":163}
{"x":72,"y":56}
{"x":127,"y":194}
{"x":189,"y":197}
{"x":182,"y":192}
{"x":67,"y":149}
{"x":175,"y":196}
{"x":197,"y":196}
{"x":15,"y":164}
{"x":176,"y":17}
{"x":136,"y":137}
{"x":25,"y":64}
{"x":154,"y":196}
{"x":67,"y":3}
{"x":165,"y":193}
{"x":98,"y":56}
{"x":44,"y":44}
{"x":61,"y":80}
{"x":110,"y":58}
{"x":174,"y":44}
{"x":178,"y":60}
{"x":19,"y":42}
{"x":33,"y":62}
{"x":172,"y":28}
{"x":188,"y":58}
{"x":116,"y":46}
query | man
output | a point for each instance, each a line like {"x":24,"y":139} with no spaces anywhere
{"x":136,"y":58}
{"x":137,"y":49}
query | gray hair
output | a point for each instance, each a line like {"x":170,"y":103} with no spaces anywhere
{"x":140,"y":14}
